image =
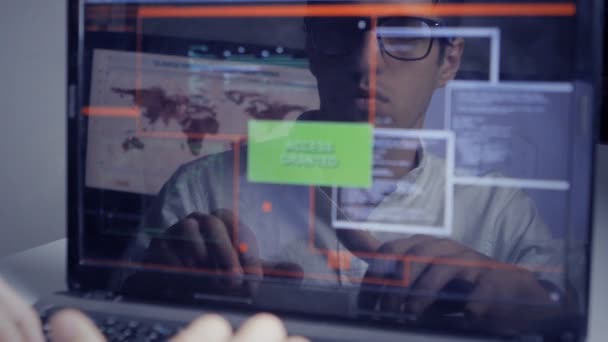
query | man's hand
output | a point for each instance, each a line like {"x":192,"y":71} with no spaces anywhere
{"x":212,"y":243}
{"x":207,"y":241}
{"x":441,"y":262}
{"x":19,"y":322}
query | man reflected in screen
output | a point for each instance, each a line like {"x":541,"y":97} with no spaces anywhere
{"x":498,"y":242}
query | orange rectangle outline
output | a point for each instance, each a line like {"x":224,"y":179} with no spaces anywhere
{"x":110,"y":28}
{"x":311,"y":235}
{"x":481,"y":264}
{"x":420,"y":259}
{"x":235,"y":190}
{"x":138,"y":56}
{"x":110,"y":7}
{"x":379,"y":281}
{"x":123,"y":112}
{"x":373,"y":65}
{"x":407,"y":260}
{"x":366,"y":10}
{"x":181,"y":135}
{"x":247,"y":271}
{"x":311,"y":219}
{"x":153,"y":266}
{"x":371,"y":10}
{"x":356,"y":10}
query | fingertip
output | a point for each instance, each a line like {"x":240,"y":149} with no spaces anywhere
{"x":214,"y":322}
{"x":34,"y":333}
{"x":71,"y":325}
{"x":61,"y":325}
{"x":267,"y":319}
{"x":208,"y":328}
{"x":211,"y":319}
{"x":262,"y":327}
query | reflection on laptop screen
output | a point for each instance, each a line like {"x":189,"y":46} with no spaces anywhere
{"x":405,"y":162}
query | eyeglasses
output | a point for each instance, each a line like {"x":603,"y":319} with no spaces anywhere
{"x":407,"y":38}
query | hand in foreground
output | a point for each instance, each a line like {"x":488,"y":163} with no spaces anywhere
{"x":71,"y":325}
{"x":19,"y":322}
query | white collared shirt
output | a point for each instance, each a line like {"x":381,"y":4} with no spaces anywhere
{"x":500,"y":222}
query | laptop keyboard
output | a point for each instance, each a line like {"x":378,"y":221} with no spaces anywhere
{"x":120,"y":328}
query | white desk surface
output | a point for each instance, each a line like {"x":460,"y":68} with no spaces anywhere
{"x":41,"y":270}
{"x":37,"y":272}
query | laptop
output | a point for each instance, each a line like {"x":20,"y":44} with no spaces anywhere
{"x":365,"y":170}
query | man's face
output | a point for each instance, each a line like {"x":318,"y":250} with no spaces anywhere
{"x":403,"y":85}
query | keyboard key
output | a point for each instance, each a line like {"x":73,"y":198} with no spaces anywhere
{"x":162,"y":330}
{"x":110,"y":321}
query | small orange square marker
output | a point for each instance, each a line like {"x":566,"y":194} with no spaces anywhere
{"x":266,"y":207}
{"x":243,"y":247}
{"x":338,"y":260}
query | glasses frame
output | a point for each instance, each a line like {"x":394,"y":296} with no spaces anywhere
{"x":430,"y":22}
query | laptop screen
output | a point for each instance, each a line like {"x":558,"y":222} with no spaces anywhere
{"x":409,"y":163}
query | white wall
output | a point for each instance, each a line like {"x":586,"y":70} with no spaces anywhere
{"x":32,"y":125}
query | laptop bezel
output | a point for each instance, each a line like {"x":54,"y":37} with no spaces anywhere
{"x":84,"y":277}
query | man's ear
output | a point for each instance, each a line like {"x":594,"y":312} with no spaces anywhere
{"x":451,"y":62}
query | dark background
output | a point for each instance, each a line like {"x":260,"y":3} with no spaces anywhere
{"x":604,"y":106}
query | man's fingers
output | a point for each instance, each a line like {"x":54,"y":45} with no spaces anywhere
{"x":181,"y":245}
{"x":369,"y":294}
{"x":214,"y":328}
{"x":480,"y":308}
{"x":20,"y":314}
{"x":164,"y":253}
{"x":431,"y":248}
{"x":190,"y":230}
{"x":379,"y":274}
{"x":420,"y":246}
{"x":9,"y":331}
{"x":207,"y":240}
{"x":219,"y":245}
{"x":227,"y":217}
{"x":209,"y":328}
{"x":402,"y":246}
{"x":261,"y":327}
{"x":358,"y":241}
{"x":246,"y":245}
{"x":391,"y":271}
{"x":73,"y":326}
{"x":489,"y":289}
{"x":432,"y":282}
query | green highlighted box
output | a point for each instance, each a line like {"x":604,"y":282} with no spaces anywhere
{"x":310,"y":153}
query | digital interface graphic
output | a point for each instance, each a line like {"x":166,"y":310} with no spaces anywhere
{"x":188,"y":108}
{"x":323,"y":140}
{"x":309,"y":153}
